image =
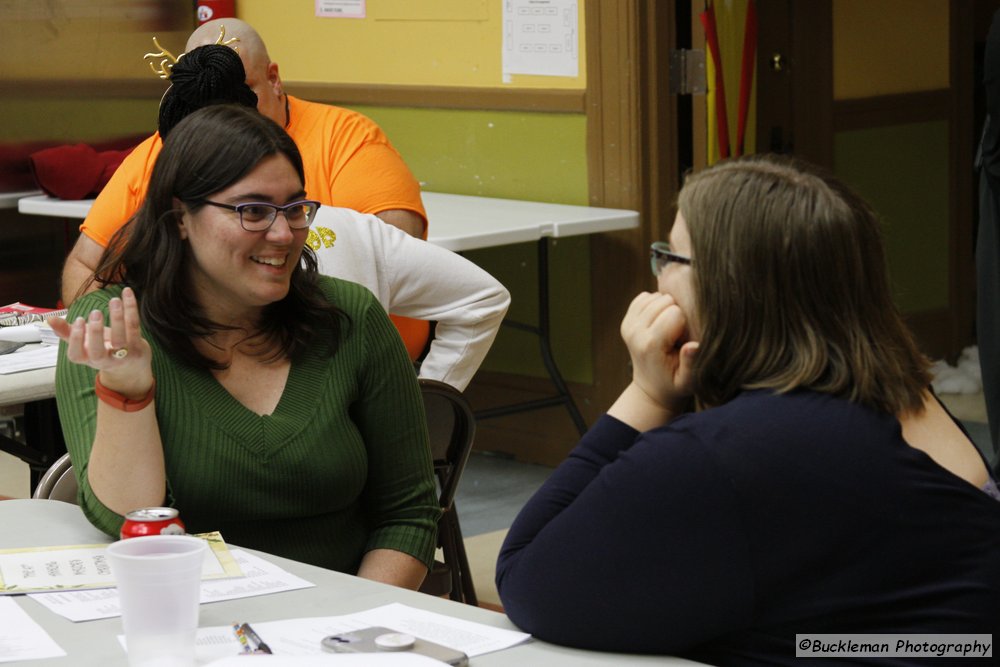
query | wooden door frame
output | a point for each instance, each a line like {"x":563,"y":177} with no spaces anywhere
{"x":632,"y":162}
{"x":803,"y":34}
{"x":961,"y":259}
{"x":942,"y":332}
{"x":632,"y":136}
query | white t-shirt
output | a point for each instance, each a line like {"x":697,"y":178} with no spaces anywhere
{"x":417,"y":279}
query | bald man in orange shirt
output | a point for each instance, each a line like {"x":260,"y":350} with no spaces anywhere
{"x":349,"y":163}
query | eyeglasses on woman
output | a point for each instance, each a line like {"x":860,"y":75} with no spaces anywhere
{"x":660,"y":255}
{"x":259,"y":216}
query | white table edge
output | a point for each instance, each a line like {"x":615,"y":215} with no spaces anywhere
{"x":58,"y":523}
{"x":10,"y":199}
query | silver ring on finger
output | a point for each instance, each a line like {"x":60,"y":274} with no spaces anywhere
{"x":120,"y":353}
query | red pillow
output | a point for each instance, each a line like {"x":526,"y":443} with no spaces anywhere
{"x":74,"y":172}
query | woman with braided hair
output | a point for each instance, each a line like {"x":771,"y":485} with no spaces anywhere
{"x":211,"y":74}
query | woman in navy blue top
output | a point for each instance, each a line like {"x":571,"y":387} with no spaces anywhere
{"x":819,"y":488}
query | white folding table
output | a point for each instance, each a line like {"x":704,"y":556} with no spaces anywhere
{"x":41,"y":523}
{"x":10,"y":199}
{"x":36,"y":390}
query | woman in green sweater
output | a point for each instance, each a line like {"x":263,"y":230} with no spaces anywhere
{"x":217,"y":372}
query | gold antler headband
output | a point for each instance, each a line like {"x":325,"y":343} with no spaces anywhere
{"x":167,"y":59}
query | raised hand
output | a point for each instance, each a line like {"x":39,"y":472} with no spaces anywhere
{"x":655,"y":331}
{"x":118,"y":351}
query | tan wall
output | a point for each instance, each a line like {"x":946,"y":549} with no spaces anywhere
{"x":430,"y":43}
{"x":883,"y":47}
{"x":87,"y":39}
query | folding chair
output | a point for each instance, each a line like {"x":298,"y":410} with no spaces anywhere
{"x":58,"y":482}
{"x":452,"y":428}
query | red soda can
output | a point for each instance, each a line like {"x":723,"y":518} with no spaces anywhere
{"x":152,"y":521}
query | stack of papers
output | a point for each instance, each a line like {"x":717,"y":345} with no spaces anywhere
{"x":85,"y":566}
{"x":21,"y":638}
{"x":23,"y":333}
{"x":300,"y":637}
{"x":260,"y":577}
{"x":21,"y":313}
{"x":293,"y":641}
{"x":49,"y":337}
{"x":27,"y":325}
{"x":339,"y":659}
{"x":35,"y":332}
{"x":29,"y":358}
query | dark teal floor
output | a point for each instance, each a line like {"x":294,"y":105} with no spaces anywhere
{"x":493,"y":490}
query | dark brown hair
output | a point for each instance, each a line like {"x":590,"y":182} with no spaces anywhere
{"x":792,"y":289}
{"x":206,"y":152}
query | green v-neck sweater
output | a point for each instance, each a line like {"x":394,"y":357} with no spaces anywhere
{"x":341,"y":467}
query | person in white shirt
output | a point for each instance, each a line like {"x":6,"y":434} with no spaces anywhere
{"x":417,"y":279}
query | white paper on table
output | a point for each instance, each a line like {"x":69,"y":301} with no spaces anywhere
{"x":467,"y":636}
{"x":26,"y":570}
{"x":261,"y":578}
{"x":302,"y":636}
{"x":22,"y":333}
{"x":21,"y":638}
{"x":402,"y":659}
{"x":44,"y":356}
{"x":80,"y":567}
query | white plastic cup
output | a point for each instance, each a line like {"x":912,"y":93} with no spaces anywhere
{"x":159,"y":585}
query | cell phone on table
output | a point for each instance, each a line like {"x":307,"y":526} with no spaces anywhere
{"x":379,"y":639}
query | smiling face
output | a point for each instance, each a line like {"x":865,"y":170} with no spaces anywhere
{"x":235,"y":273}
{"x":676,"y":279}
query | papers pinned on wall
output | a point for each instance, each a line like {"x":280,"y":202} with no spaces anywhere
{"x":341,"y":9}
{"x":540,"y":37}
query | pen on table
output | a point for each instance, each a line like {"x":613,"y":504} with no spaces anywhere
{"x":240,"y":635}
{"x":248,"y":631}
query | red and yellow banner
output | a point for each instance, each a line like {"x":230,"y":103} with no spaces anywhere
{"x":730,"y":64}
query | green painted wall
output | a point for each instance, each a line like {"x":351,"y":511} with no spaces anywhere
{"x":902,"y":171}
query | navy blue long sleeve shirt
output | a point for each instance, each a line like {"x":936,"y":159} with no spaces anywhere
{"x":723,"y":534}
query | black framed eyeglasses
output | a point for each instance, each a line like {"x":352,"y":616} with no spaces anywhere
{"x":256,"y":216}
{"x":660,"y":255}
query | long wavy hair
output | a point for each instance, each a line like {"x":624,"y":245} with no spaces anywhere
{"x":208,"y":151}
{"x":792,"y":288}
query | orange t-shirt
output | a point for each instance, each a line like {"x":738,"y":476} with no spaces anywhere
{"x":348,"y":162}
